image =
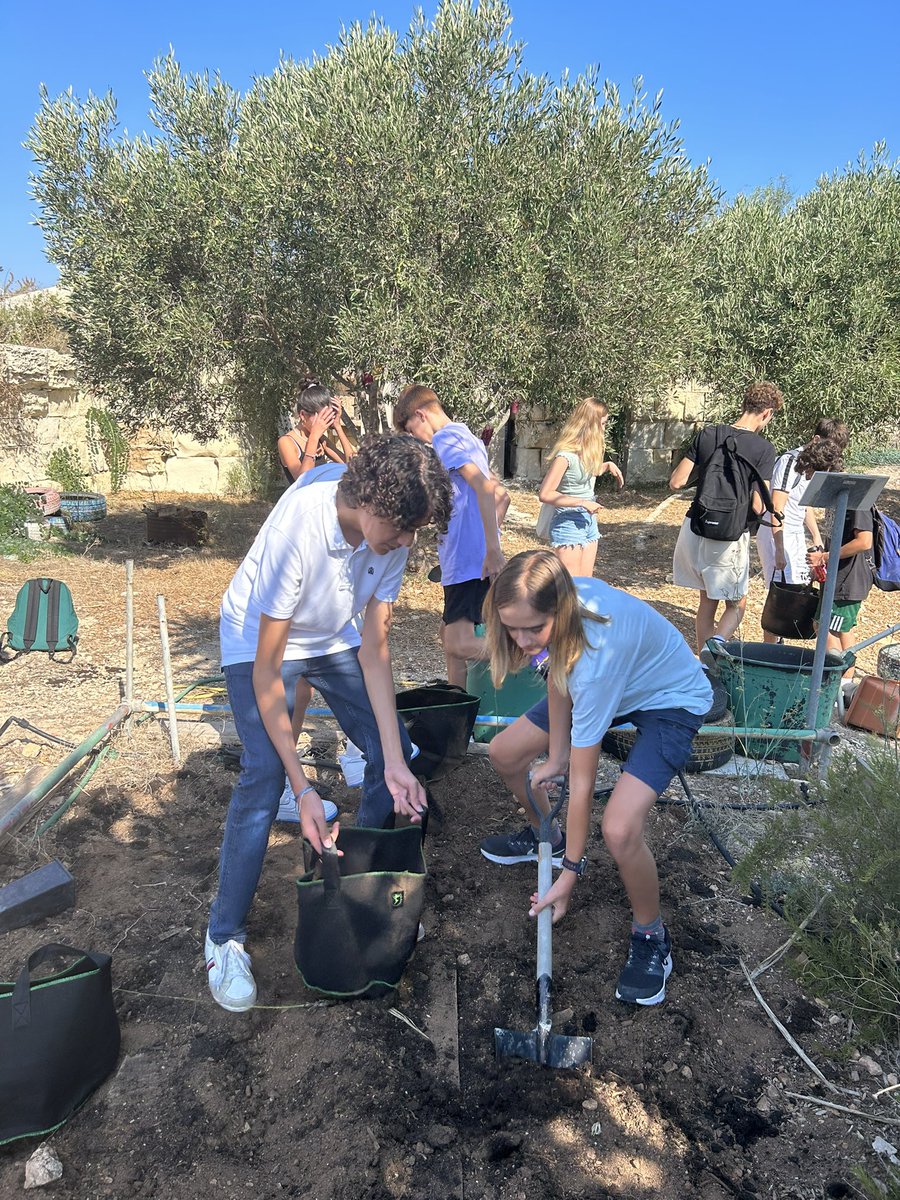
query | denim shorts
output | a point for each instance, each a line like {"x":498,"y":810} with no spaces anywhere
{"x":573,"y":527}
{"x":662,"y":747}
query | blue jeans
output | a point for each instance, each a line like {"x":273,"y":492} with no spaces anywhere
{"x":254,"y":800}
{"x":573,"y":527}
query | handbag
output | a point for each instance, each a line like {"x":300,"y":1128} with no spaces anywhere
{"x":790,"y":609}
{"x":545,"y":520}
{"x":439,"y":718}
{"x":358,"y":913}
{"x":59,"y":1039}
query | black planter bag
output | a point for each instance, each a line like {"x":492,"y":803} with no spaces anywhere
{"x":358,"y":914}
{"x":59,"y":1039}
{"x":439,"y":718}
{"x":790,"y":609}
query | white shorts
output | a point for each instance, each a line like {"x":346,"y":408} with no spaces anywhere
{"x":797,"y":568}
{"x":721,"y":569}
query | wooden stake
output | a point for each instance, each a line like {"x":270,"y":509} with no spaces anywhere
{"x":167,"y":673}
{"x":129,"y":632}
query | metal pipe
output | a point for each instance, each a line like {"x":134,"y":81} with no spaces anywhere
{"x":876,"y":637}
{"x":129,"y":632}
{"x":837,"y":534}
{"x":167,"y":675}
{"x":19,"y":812}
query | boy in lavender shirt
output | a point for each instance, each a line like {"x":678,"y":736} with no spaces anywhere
{"x":469,"y":553}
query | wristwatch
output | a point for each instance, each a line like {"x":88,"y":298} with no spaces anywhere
{"x":578,"y":868}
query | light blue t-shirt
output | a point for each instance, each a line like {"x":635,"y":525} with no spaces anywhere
{"x":636,"y":661}
{"x":462,"y":549}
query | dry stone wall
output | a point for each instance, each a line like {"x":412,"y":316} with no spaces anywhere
{"x":44,"y":407}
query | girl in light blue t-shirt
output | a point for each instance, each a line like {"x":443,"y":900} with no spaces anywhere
{"x":568,"y":487}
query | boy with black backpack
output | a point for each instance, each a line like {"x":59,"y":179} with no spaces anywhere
{"x":731,"y":466}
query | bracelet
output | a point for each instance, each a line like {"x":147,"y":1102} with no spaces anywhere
{"x":309,"y":788}
{"x":306,"y":455}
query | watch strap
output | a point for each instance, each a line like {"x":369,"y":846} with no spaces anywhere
{"x":577,"y":867}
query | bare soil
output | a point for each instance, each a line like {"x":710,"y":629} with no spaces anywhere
{"x":320,"y":1100}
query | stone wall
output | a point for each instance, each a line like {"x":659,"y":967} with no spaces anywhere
{"x":50,"y":408}
{"x":653,"y":446}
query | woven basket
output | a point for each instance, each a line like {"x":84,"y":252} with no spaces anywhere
{"x":709,"y":750}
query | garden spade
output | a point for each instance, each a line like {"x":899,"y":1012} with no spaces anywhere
{"x":541,"y":1044}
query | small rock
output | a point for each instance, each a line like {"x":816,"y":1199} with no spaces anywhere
{"x":564,"y":1015}
{"x":869,"y":1064}
{"x":463,"y":960}
{"x":440,"y":1136}
{"x":669,"y":1067}
{"x":42,"y":1168}
{"x":590,"y":1105}
{"x":763,"y":1104}
{"x":891,"y":1079}
{"x":687,"y":1073}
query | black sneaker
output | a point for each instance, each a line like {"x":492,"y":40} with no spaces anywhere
{"x":519,"y":847}
{"x":649,"y":965}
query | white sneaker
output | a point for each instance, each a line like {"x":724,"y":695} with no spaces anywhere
{"x":353,"y":764}
{"x":287,"y":807}
{"x":230,"y":978}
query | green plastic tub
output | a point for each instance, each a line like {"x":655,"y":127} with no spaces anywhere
{"x":768,"y":688}
{"x":517,"y":694}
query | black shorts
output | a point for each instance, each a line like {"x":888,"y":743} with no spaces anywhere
{"x":463,"y":601}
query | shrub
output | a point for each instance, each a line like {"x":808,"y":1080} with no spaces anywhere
{"x":843,"y":852}
{"x":15,"y":509}
{"x":65,"y":469}
{"x":107,"y":442}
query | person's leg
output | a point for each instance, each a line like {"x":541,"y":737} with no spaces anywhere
{"x":340,"y":679}
{"x":732,"y":615}
{"x":460,"y":647}
{"x":570,"y":557}
{"x":589,"y":558}
{"x":302,"y":697}
{"x":624,"y":819}
{"x":705,"y":620}
{"x":254,"y":802}
{"x":512,"y":752}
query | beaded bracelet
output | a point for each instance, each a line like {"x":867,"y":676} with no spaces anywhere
{"x":310,"y":788}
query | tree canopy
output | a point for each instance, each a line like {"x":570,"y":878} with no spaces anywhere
{"x":413,"y":206}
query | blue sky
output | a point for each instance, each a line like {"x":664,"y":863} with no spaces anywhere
{"x":790,"y":89}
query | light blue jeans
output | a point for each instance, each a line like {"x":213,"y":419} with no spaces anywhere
{"x":254,"y":800}
{"x":573,"y":527}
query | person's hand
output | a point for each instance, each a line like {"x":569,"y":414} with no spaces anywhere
{"x":617,"y":475}
{"x":816,"y":558}
{"x":322,"y":421}
{"x":409,"y":795}
{"x":338,"y":412}
{"x":314,"y":826}
{"x":546,"y":773}
{"x":557,"y":897}
{"x":494,"y":562}
{"x":780,"y":560}
{"x":591,"y":506}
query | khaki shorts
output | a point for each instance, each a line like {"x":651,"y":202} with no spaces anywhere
{"x":721,"y":569}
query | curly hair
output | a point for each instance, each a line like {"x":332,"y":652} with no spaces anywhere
{"x":411,"y":398}
{"x":821,"y":454}
{"x":396,"y":477}
{"x":835,"y":431}
{"x":760,"y":396}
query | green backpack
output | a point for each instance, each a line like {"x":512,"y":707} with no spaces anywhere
{"x":43,"y":619}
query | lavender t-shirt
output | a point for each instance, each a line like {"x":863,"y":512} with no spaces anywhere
{"x":462,"y":549}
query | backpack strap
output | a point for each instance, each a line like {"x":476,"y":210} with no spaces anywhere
{"x":52,"y":614}
{"x":764,"y":492}
{"x":32,"y":611}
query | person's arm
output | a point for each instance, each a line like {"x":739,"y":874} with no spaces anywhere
{"x":812,"y":525}
{"x":858,"y":544}
{"x":347,"y":451}
{"x":610,"y":468}
{"x":501,"y":498}
{"x":487,"y":492}
{"x":318,"y":427}
{"x":268,"y":688}
{"x":550,"y":494}
{"x":779,"y":499}
{"x":759,"y":506}
{"x":682,"y":473}
{"x":583,"y":762}
{"x":375,"y":662}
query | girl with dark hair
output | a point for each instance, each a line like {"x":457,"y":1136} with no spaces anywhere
{"x":306,"y":446}
{"x":612,"y":659}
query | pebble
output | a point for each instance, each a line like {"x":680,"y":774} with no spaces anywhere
{"x":687,"y":1072}
{"x":440,"y":1136}
{"x":669,"y":1067}
{"x":42,"y":1168}
{"x":590,"y":1105}
{"x":868,"y":1064}
{"x":463,"y":960}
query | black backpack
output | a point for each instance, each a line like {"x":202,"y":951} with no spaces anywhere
{"x":722,"y":509}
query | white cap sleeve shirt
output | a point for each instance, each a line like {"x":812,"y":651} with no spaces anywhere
{"x":302,"y":568}
{"x":637,"y":661}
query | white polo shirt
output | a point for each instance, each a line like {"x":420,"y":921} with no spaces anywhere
{"x":302,"y":567}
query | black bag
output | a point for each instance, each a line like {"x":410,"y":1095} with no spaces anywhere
{"x":358,"y":915}
{"x":439,"y":717}
{"x":790,"y":610}
{"x":59,"y":1039}
{"x":722,"y":509}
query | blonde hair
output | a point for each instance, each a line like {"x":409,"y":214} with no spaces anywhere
{"x":540,"y":579}
{"x":582,"y":434}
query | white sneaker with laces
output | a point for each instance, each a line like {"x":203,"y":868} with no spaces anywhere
{"x":353,"y":765}
{"x":287,"y":807}
{"x":230,"y":978}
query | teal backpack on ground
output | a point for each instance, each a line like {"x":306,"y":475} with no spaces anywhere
{"x":43,"y":619}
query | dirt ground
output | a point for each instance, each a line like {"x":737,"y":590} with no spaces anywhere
{"x":320,"y":1100}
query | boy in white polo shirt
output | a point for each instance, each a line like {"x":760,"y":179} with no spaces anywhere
{"x":325,"y":555}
